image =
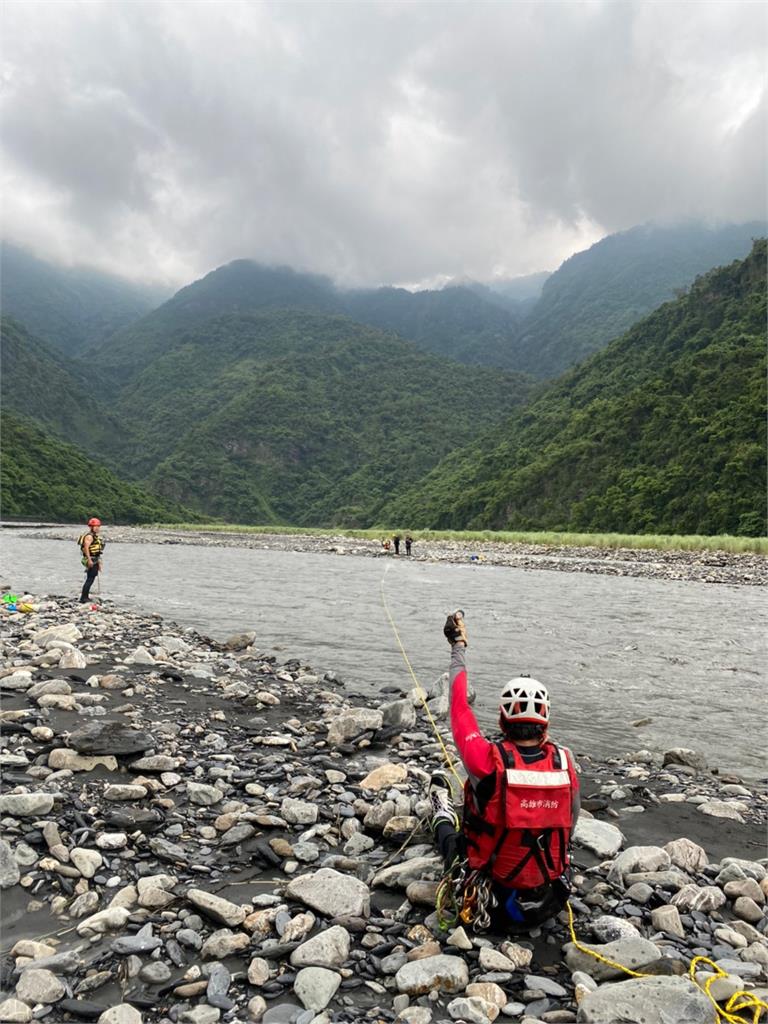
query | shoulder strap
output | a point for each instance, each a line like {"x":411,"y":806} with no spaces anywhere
{"x":507,"y":756}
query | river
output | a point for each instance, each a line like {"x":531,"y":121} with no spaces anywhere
{"x":687,"y":656}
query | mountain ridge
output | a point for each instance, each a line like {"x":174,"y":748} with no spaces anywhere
{"x":659,"y":432}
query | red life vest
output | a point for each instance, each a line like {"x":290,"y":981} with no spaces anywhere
{"x":520,"y":835}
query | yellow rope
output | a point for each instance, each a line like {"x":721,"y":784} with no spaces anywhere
{"x":419,"y":688}
{"x":738,"y":1002}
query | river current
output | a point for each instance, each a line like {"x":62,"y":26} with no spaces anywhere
{"x":686,"y":659}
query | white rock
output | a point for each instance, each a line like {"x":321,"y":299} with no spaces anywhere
{"x":724,"y":809}
{"x":601,"y":837}
{"x":31,"y":949}
{"x":216,"y":907}
{"x":13,"y":1011}
{"x":446,"y":973}
{"x":140,"y":656}
{"x":112,"y":841}
{"x":400,"y":876}
{"x":493,"y":960}
{"x":329,"y":948}
{"x":257,"y":1007}
{"x":110,"y":919}
{"x":638,"y":858}
{"x":87,"y":862}
{"x":37,"y":985}
{"x":64,"y":759}
{"x":124,"y":792}
{"x":634,"y":953}
{"x":203,"y":795}
{"x":687,"y":855}
{"x":73,"y":659}
{"x":702,"y":898}
{"x":26,"y":805}
{"x":258,"y":971}
{"x":19,"y":680}
{"x":123,"y":1013}
{"x":316,"y":987}
{"x":331,"y":893}
{"x":472,"y":1010}
{"x":298,"y":812}
{"x":657,"y":1000}
{"x":384,"y":776}
{"x":67,"y":632}
{"x":667,"y":919}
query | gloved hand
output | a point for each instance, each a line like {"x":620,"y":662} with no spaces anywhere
{"x":454,"y":629}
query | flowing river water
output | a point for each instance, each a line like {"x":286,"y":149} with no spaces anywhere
{"x":684,"y":659}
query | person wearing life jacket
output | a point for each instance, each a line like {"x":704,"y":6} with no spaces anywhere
{"x":92,"y":547}
{"x":521,"y":799}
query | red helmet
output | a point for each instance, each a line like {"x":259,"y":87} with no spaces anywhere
{"x":94,"y":522}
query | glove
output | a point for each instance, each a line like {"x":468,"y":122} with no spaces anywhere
{"x":454,"y":628}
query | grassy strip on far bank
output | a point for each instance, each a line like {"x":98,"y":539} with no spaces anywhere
{"x":659,"y":542}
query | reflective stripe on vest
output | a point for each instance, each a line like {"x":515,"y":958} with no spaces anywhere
{"x":521,"y":777}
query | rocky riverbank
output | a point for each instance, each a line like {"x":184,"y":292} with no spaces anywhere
{"x":696,"y":566}
{"x":193,"y":832}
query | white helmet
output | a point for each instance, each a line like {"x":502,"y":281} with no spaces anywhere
{"x":524,"y":700}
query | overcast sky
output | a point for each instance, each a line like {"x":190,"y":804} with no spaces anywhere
{"x":396,"y":142}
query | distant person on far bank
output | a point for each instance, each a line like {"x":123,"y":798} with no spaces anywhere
{"x":396,"y":542}
{"x":408,"y":543}
{"x":92,"y":547}
{"x":386,"y":544}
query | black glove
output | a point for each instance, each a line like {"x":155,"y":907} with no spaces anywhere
{"x":454,"y":628}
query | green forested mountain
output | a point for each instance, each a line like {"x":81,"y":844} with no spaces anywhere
{"x":62,"y":394}
{"x":459,"y":322}
{"x":663,"y":431}
{"x":455,"y":322}
{"x":596,"y":295}
{"x":72,"y":307}
{"x":45,"y":478}
{"x":302,"y":418}
{"x":239,"y":287}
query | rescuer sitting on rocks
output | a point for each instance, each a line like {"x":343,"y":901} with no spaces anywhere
{"x":508,"y":861}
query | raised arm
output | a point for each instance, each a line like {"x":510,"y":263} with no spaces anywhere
{"x":475,"y":750}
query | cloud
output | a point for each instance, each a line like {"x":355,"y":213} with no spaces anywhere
{"x":374,"y":142}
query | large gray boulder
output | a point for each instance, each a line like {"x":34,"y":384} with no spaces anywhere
{"x":400,"y":876}
{"x":26,"y":805}
{"x":600,"y":837}
{"x":634,"y":953}
{"x":650,"y":1000}
{"x":331,"y":893}
{"x":106,"y":737}
{"x":637,"y":859}
{"x":329,"y":948}
{"x":351,"y":723}
{"x":316,"y":987}
{"x":684,"y":756}
{"x":39,"y":986}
